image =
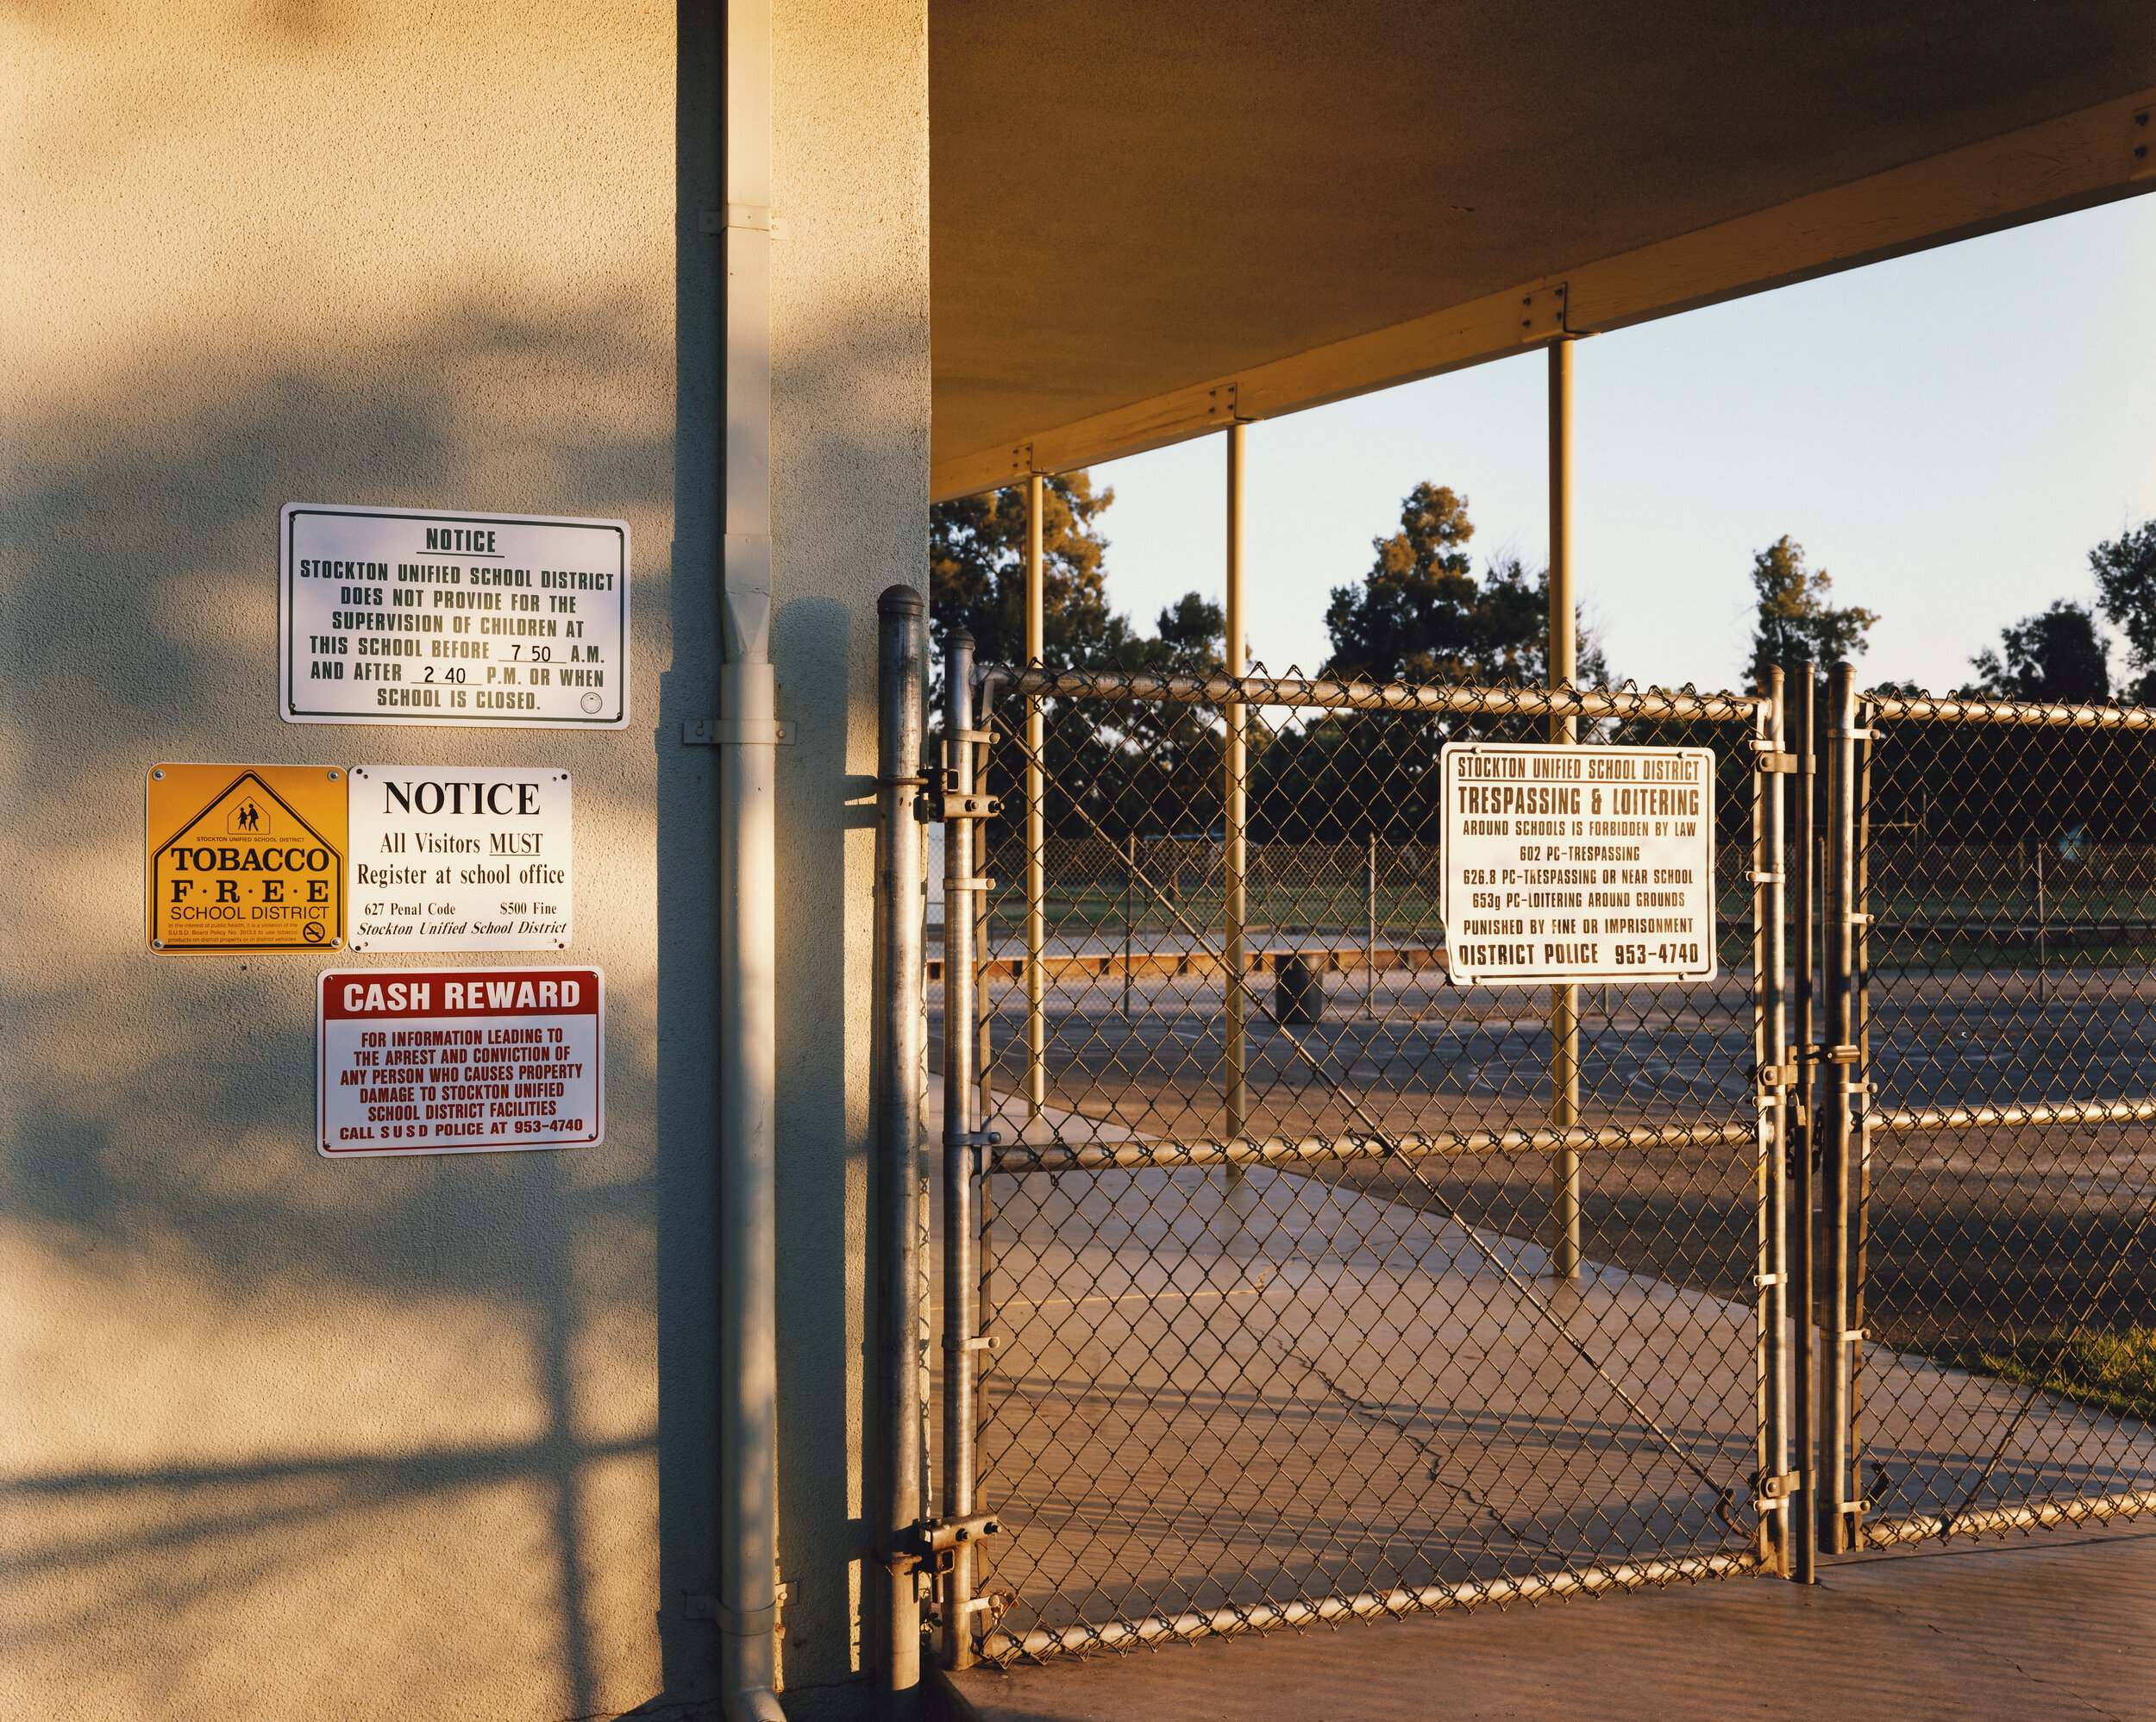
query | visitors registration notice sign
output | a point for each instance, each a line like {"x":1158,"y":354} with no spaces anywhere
{"x":1583,"y":863}
{"x":244,"y":859}
{"x":459,"y":1060}
{"x":473,"y":862}
{"x":388,"y":616}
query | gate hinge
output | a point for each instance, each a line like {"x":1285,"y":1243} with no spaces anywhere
{"x":934,"y":806}
{"x":1779,"y":1486}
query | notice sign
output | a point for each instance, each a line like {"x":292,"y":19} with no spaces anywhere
{"x":1578,"y":863}
{"x":244,"y":859}
{"x":459,"y":1060}
{"x":388,"y":616}
{"x":478,"y":862}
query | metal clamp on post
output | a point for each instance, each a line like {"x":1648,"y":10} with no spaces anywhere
{"x":1772,"y":759}
{"x":1837,"y":1054}
{"x":736,"y":732}
{"x":1780,"y":1487}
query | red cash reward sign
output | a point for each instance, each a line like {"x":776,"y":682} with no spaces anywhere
{"x":459,"y":1060}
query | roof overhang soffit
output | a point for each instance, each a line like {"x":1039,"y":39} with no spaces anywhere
{"x":2085,"y":158}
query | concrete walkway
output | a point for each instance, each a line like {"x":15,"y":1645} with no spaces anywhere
{"x":2062,"y":1624}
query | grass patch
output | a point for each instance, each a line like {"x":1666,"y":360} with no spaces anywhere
{"x":2114,"y":1372}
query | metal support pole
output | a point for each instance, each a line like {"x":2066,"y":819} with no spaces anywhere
{"x":959,"y":1267}
{"x":1565,"y":1001}
{"x":1770,"y":1030}
{"x":1803,"y":1104}
{"x":1839,"y":1055}
{"x":898,"y":1065}
{"x":1035,"y":820}
{"x":1235,"y":808}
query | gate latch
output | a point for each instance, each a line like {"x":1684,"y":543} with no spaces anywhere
{"x":1777,"y":1488}
{"x":934,"y":806}
{"x":932,"y":1544}
{"x":1769,"y":760}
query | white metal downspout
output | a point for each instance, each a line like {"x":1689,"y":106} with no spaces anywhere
{"x":748,"y":942}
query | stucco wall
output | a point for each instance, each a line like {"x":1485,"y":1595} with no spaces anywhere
{"x":287,"y":1438}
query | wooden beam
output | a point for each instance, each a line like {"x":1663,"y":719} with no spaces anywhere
{"x":2093,"y":157}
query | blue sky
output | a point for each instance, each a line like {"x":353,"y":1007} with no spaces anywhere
{"x":1948,"y":434}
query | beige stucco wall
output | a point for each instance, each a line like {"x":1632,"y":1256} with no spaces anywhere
{"x":284,"y":1438}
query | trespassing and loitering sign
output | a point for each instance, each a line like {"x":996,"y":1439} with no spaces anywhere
{"x":1578,"y":863}
{"x":459,"y":1060}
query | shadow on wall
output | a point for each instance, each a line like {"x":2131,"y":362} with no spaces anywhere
{"x":304,"y":1438}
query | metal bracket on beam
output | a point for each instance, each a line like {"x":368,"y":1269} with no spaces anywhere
{"x":2141,"y":158}
{"x":736,"y":732}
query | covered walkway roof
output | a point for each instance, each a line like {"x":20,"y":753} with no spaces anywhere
{"x":1151,"y":217}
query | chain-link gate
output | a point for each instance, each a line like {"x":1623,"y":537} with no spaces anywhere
{"x":1305,"y":1284}
{"x":1286,"y":1279}
{"x":1989,"y":886}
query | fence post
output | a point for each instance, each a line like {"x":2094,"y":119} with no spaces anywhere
{"x":1235,"y":809}
{"x":1565,"y":1001}
{"x":1035,"y":819}
{"x":1802,"y":1108}
{"x":899,"y":1061}
{"x":1839,"y":1055}
{"x":959,"y":1137}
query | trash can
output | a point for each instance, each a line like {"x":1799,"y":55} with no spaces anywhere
{"x":1298,"y":989}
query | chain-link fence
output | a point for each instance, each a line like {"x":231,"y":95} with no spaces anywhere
{"x":1314,"y":1285}
{"x":1997,"y":1367}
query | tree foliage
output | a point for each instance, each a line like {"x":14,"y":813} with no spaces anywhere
{"x":1794,"y":623}
{"x":1421,"y":615}
{"x":2125,"y":568}
{"x":2056,"y":656}
{"x":977,"y":583}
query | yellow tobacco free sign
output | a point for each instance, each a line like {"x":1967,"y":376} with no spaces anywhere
{"x":246,"y":858}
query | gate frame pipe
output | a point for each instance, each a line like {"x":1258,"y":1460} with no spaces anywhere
{"x":898,"y":1064}
{"x":960,"y":1274}
{"x":1771,"y":1049}
{"x":1564,"y":1000}
{"x":1235,"y":804}
{"x":1802,"y":1110}
{"x":1838,"y":1058}
{"x":747,"y":892}
{"x":1035,"y":814}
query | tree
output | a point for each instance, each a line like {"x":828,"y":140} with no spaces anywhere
{"x":977,"y":582}
{"x":1795,"y":623}
{"x":1420,"y":614}
{"x":2125,"y":568}
{"x":2056,"y":657}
